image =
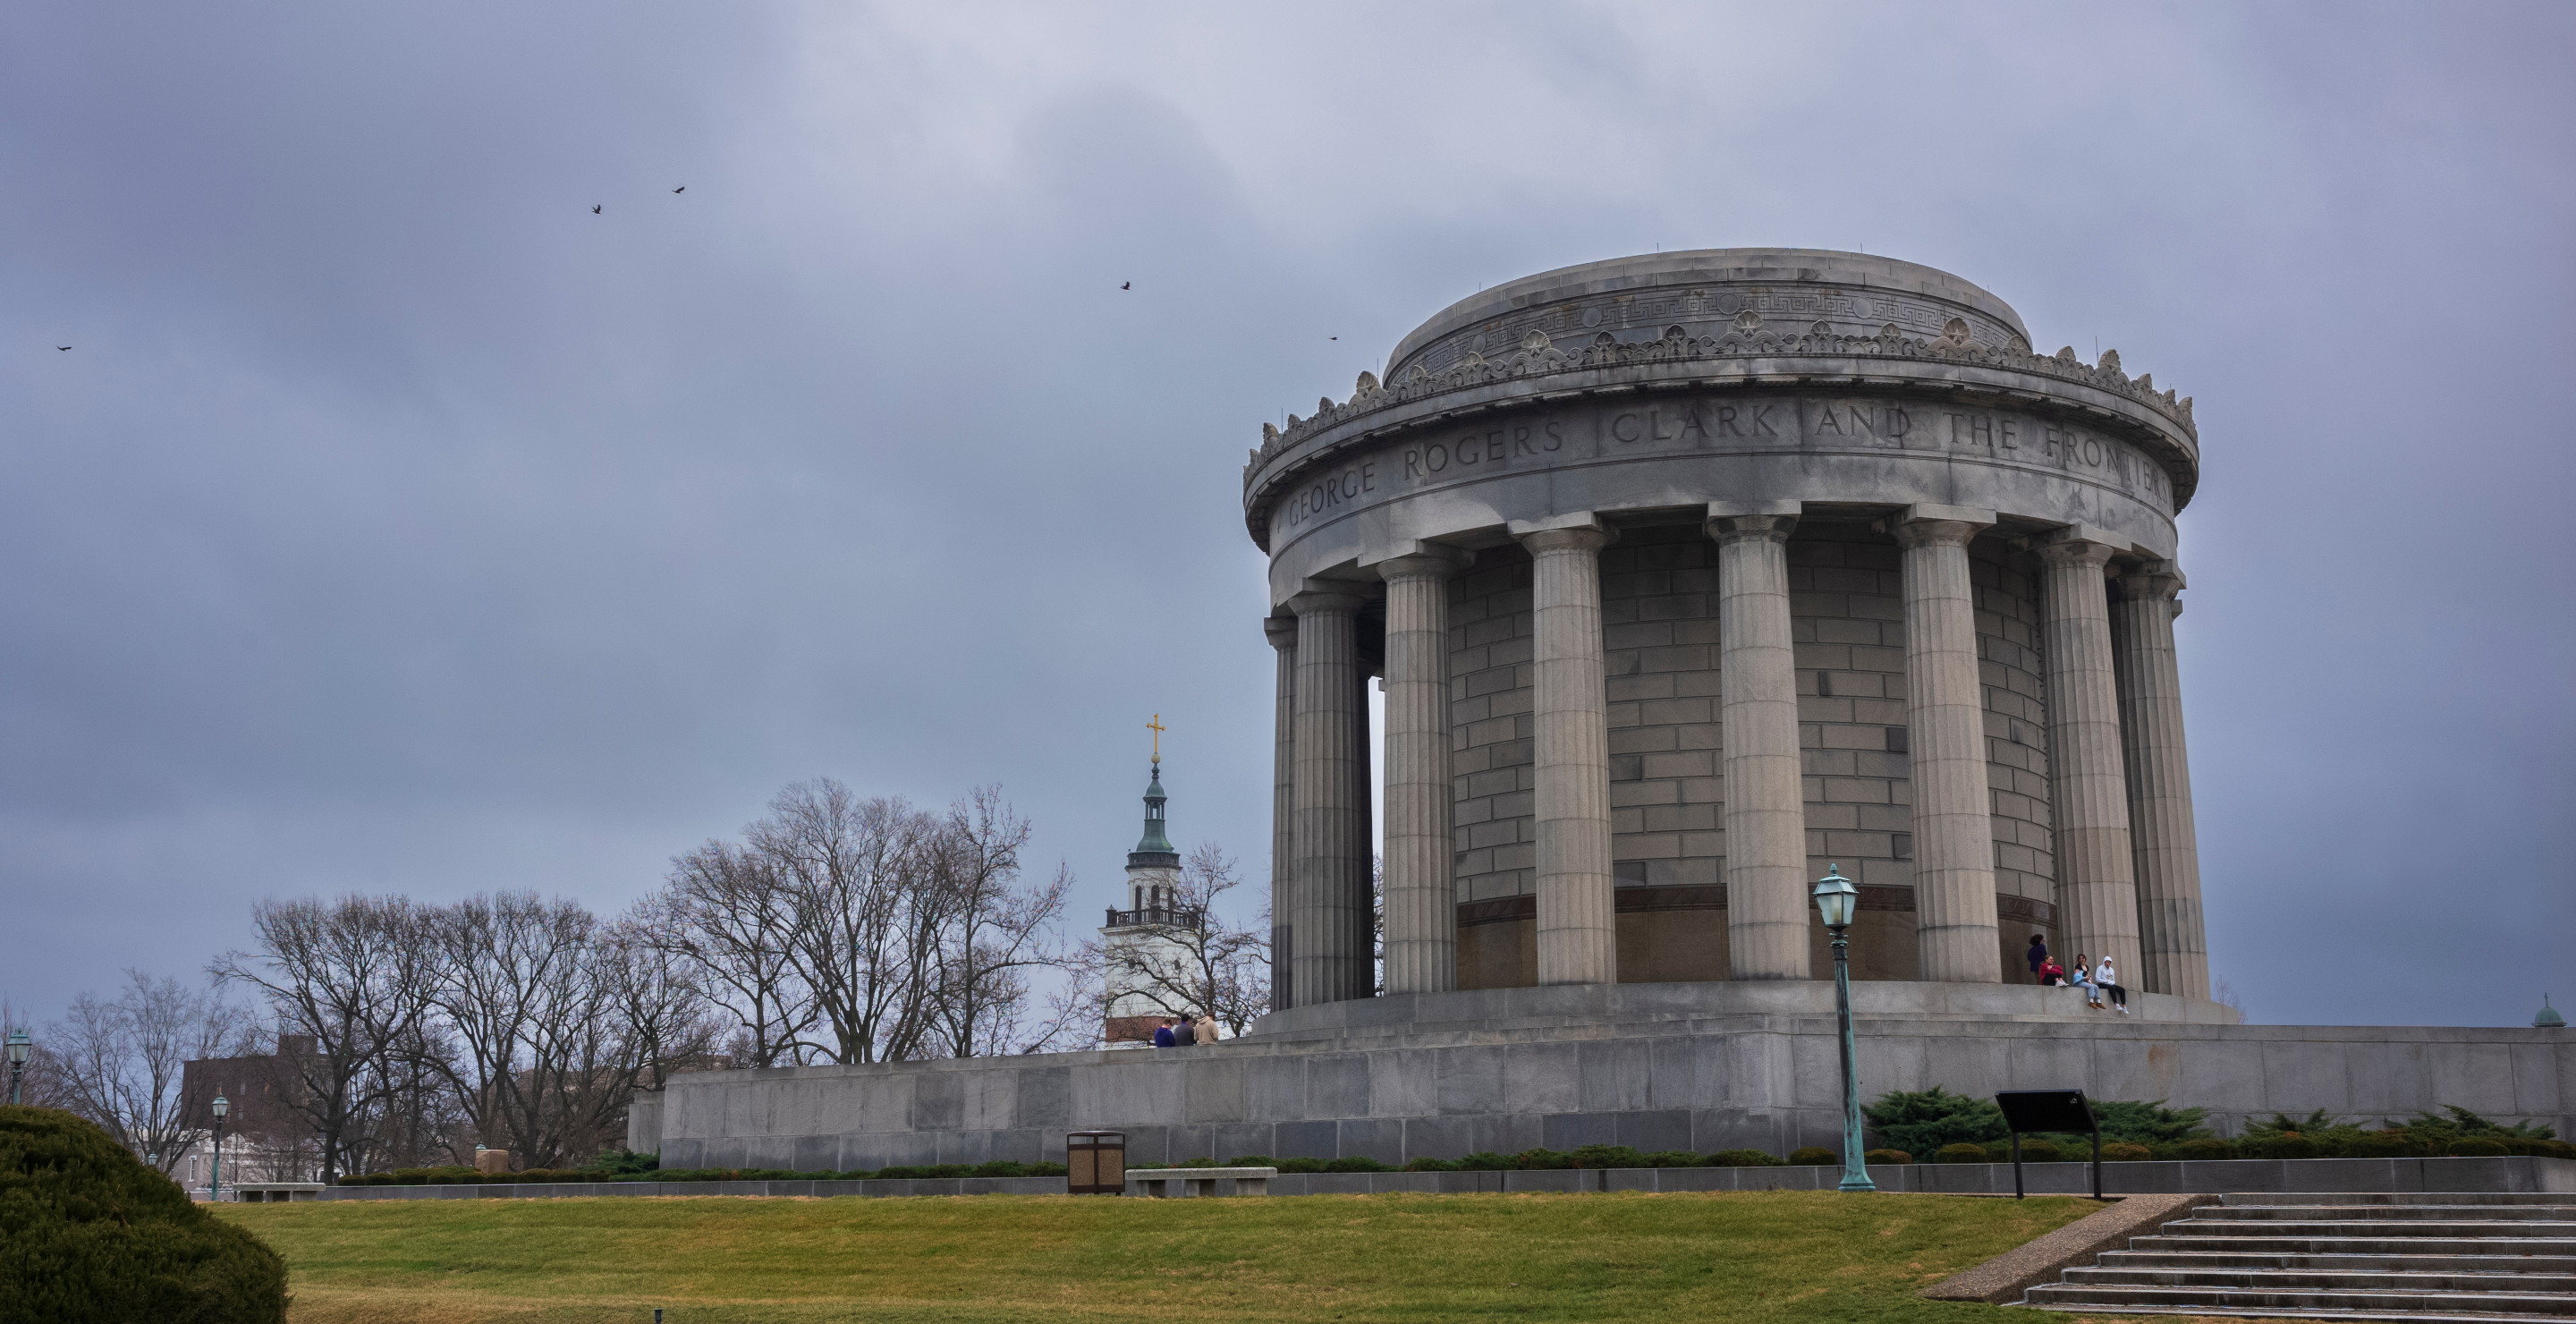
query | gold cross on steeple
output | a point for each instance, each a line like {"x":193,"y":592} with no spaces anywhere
{"x":1156,"y":726}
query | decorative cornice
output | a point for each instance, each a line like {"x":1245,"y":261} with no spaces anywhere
{"x":1541,"y":356}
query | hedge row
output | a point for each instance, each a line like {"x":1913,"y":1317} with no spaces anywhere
{"x":461,"y":1176}
{"x":2275,"y":1145}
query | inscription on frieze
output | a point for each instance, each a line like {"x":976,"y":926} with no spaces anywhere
{"x":1685,"y":425}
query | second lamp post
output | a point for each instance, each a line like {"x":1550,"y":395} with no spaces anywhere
{"x":1838,"y":900}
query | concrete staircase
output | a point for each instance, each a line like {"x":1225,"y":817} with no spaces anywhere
{"x":2437,"y":1256}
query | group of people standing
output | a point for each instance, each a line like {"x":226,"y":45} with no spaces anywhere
{"x":2097,"y":981}
{"x":1180,"y":1032}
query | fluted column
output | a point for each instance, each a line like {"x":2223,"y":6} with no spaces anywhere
{"x":1329,"y":902}
{"x":1420,"y":850}
{"x":1283,"y":808}
{"x":1765,"y":787}
{"x":1945,"y":719}
{"x":1577,"y":929}
{"x":2097,"y":894}
{"x":2173,"y":952}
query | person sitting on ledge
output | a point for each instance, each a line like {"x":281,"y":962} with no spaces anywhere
{"x":2051,"y":974}
{"x":2082,"y":977}
{"x":2107,"y":980}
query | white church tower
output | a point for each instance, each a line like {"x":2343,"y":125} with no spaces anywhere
{"x":1153,"y":944}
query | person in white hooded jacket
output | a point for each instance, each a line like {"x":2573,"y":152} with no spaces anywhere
{"x":2108,"y":980}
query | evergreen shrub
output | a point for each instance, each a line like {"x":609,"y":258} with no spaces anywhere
{"x":1744,"y":1158}
{"x":1486,"y":1160}
{"x":1299,"y":1165}
{"x":2205,"y":1147}
{"x":1431,"y":1165}
{"x":1896,"y":1156}
{"x":1962,"y":1152}
{"x":2476,"y":1147}
{"x":1812,"y":1156}
{"x":1672,"y":1158}
{"x":1544,"y":1160}
{"x":2122,"y":1151}
{"x":2280,"y":1145}
{"x":1608,"y":1156}
{"x":1356,"y":1163}
{"x":89,"y":1235}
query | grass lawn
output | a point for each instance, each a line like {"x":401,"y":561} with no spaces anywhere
{"x":1767,"y":1255}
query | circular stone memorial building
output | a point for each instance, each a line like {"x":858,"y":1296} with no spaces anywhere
{"x":1691,"y":574}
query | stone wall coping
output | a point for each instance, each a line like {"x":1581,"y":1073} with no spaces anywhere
{"x":1544,"y":374}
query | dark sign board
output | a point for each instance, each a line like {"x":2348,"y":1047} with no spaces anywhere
{"x":2045,"y":1110}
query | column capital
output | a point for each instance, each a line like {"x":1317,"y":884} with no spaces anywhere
{"x":1580,"y":530}
{"x":2151,"y":580}
{"x":2077,"y":544}
{"x":1936,"y":526}
{"x":1326,"y":595}
{"x":1731,"y":521}
{"x":1282,"y":631}
{"x":1419,"y":560}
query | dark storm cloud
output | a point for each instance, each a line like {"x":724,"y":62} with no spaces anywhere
{"x":397,"y":523}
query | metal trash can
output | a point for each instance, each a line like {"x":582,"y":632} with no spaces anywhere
{"x":1095,"y":1163}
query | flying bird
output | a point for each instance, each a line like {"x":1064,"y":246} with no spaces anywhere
{"x":1126,"y":284}
{"x":1332,"y":337}
{"x":681,"y":189}
{"x":62,"y":347}
{"x":594,"y":211}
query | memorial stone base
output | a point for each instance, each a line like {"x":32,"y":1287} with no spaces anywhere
{"x":1698,"y":1066}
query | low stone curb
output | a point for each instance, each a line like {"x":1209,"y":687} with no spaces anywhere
{"x":2007,"y":1276}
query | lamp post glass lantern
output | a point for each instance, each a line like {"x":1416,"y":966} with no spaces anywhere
{"x":215,"y":1189}
{"x":1837,"y":900}
{"x":19,"y":1043}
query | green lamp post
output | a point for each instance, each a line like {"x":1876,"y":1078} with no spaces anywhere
{"x":18,"y":1046}
{"x":215,"y":1189}
{"x":1838,"y":900}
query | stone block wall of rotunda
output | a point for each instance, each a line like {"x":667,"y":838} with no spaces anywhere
{"x":1667,"y":794}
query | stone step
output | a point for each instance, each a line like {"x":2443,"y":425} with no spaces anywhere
{"x":2276,"y":1312}
{"x":2519,"y":1229}
{"x":2338,"y":1280}
{"x":2393,"y":1213}
{"x":2248,"y":1301}
{"x":2274,"y":1243}
{"x":2173,"y":1259}
{"x":2392,"y":1198}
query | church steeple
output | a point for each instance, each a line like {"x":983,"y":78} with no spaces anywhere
{"x":1154,"y":849}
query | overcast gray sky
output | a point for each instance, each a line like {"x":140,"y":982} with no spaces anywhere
{"x":396,"y":523}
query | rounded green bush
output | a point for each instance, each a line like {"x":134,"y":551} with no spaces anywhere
{"x":2476,"y":1147}
{"x":1544,"y":1160}
{"x":1810,"y":1156}
{"x":1743,"y":1158}
{"x":1963,"y":1152}
{"x":2281,"y":1145}
{"x":1356,"y":1163}
{"x":2206,"y":1147}
{"x":88,"y":1235}
{"x":1672,"y":1158}
{"x":2043,"y":1151}
{"x":2121,"y":1151}
{"x":1431,"y":1165}
{"x":1895,"y":1156}
{"x":2384,"y":1144}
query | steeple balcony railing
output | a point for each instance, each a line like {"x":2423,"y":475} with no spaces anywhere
{"x":1169,"y":917}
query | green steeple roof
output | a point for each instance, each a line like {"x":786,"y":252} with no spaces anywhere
{"x":2548,"y":1019}
{"x":1154,"y":843}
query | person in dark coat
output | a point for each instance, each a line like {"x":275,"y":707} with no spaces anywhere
{"x":2038,"y":955}
{"x":1163,"y":1034}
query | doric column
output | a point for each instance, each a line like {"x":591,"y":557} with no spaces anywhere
{"x":1283,"y":809}
{"x":2097,"y":894}
{"x":1420,"y":851}
{"x":1328,"y":910}
{"x":1945,"y":720}
{"x":2174,"y":955}
{"x":1765,"y":789}
{"x":1577,"y":929}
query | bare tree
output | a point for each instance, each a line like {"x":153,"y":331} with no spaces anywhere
{"x":122,"y":1064}
{"x":350,"y":980}
{"x":864,"y":920}
{"x":996,"y":933}
{"x":1221,"y":968}
{"x":725,"y":915}
{"x":511,"y":986}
